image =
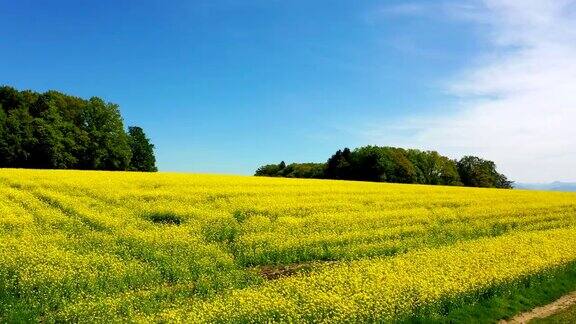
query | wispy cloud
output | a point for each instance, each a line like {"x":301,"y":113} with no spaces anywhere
{"x":518,"y":102}
{"x":468,"y":10}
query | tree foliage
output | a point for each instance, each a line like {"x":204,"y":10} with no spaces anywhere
{"x":392,"y":164}
{"x":293,"y":170}
{"x":477,"y":172}
{"x":142,"y":150}
{"x":57,"y":131}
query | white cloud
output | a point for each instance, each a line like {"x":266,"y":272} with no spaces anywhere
{"x":518,"y":104}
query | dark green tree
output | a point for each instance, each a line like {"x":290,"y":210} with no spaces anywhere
{"x":56,"y":143}
{"x":392,"y":164}
{"x":503,"y":182}
{"x":54,"y":130}
{"x":433,"y":168}
{"x":304,"y":170}
{"x":10,"y":98}
{"x":477,"y":172}
{"x":269,"y":170}
{"x":18,"y":139}
{"x":142,"y":151}
{"x":403,"y":170}
{"x":293,"y":170}
{"x":332,"y":165}
{"x":107,"y":148}
{"x":368,"y":163}
{"x":339,"y":165}
{"x":4,"y":148}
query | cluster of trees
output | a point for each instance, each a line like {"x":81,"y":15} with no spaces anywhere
{"x":391,"y":164}
{"x":52,"y":130}
{"x":294,"y":170}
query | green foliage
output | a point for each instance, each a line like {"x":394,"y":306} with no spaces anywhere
{"x":142,"y":150}
{"x":477,"y":172}
{"x":392,"y":164}
{"x":56,"y":131}
{"x":433,"y":168}
{"x":304,"y":170}
{"x":339,"y":165}
{"x":108,"y":147}
{"x":293,"y":170}
{"x":19,"y":138}
{"x":269,"y":170}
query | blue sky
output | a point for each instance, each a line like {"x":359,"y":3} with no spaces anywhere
{"x":225,"y":86}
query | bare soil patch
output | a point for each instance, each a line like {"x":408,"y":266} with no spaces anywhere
{"x":280,"y":271}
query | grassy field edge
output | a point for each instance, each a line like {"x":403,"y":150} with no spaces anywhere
{"x":507,"y":301}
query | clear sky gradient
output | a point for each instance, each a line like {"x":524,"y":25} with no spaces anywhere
{"x":224,"y":86}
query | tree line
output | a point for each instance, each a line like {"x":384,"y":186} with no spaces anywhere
{"x":392,"y":164}
{"x":52,"y":130}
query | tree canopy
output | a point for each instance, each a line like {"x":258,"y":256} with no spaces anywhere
{"x":293,"y":170}
{"x":57,"y":131}
{"x":477,"y":172}
{"x":142,"y":150}
{"x":392,"y":164}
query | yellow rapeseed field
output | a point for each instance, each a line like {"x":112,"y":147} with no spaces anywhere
{"x":159,"y":247}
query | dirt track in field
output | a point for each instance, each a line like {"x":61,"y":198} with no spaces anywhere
{"x":544,"y":311}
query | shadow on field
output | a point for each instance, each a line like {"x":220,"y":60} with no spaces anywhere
{"x":165,"y":218}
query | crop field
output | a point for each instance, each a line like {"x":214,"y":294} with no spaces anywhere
{"x":144,"y":247}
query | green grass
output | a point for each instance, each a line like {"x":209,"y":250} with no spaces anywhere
{"x":508,"y":301}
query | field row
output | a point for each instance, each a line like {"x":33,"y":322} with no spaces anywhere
{"x":79,"y":243}
{"x":428,"y":283}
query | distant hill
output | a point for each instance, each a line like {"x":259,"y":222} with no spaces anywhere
{"x":553,"y":186}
